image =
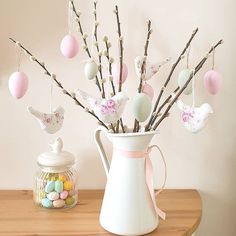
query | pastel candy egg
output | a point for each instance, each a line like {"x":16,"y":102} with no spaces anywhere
{"x":148,"y":90}
{"x":69,"y":46}
{"x":59,"y":203}
{"x":90,"y":70}
{"x":53,"y":196}
{"x":49,"y":186}
{"x":68,"y":185}
{"x":70,"y":201}
{"x":142,"y":106}
{"x":116,"y":72}
{"x":46,"y":203}
{"x":42,"y":194}
{"x":182,"y":79}
{"x":62,"y":178}
{"x":64,"y":195}
{"x":58,"y":186}
{"x":18,"y":84}
{"x":72,"y":192}
{"x":212,"y":81}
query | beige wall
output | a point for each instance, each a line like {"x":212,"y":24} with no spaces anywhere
{"x":205,"y":161}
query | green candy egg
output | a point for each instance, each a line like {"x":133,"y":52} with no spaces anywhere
{"x":142,"y":107}
{"x":46,"y":203}
{"x":49,"y":186}
{"x":70,"y":201}
{"x":58,"y":186}
{"x":182,"y":79}
{"x":90,"y":70}
{"x":42,"y":194}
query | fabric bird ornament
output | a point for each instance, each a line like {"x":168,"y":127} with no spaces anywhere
{"x":151,"y":69}
{"x":107,"y":110}
{"x":194,"y":118}
{"x":51,"y":122}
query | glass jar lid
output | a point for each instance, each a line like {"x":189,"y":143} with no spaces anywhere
{"x":56,"y":158}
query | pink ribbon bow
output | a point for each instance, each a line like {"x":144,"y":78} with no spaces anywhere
{"x":149,"y":173}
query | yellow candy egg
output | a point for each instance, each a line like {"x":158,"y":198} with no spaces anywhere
{"x":70,"y":201}
{"x":62,"y":178}
{"x":68,"y":185}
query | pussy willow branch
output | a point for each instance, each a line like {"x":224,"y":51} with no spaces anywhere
{"x":52,"y":76}
{"x":84,"y":39}
{"x":197,"y":68}
{"x":95,"y":34}
{"x":152,"y":118}
{"x":143,"y":69}
{"x":116,"y":11}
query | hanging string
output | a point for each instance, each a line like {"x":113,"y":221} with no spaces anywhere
{"x":189,"y":49}
{"x":213,"y":58}
{"x":193,"y":87}
{"x":18,"y":58}
{"x":51,"y":95}
{"x":69,"y":17}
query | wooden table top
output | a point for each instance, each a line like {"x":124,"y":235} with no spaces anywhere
{"x":20,"y":216}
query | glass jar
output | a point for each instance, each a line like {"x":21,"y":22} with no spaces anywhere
{"x":56,"y":180}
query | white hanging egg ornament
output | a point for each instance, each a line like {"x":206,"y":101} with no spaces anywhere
{"x":18,"y":84}
{"x":90,"y":69}
{"x":148,"y":89}
{"x":142,"y":107}
{"x":116,"y":72}
{"x":69,"y":46}
{"x":182,"y":79}
{"x":212,"y":81}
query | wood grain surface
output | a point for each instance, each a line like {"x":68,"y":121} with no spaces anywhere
{"x":20,"y":216}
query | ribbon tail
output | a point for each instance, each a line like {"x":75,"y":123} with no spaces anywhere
{"x":149,"y":180}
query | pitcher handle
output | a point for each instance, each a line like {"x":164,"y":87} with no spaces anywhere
{"x":102,"y":153}
{"x":163,"y":159}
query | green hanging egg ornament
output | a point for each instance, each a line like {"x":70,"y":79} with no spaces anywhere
{"x":90,"y":69}
{"x":182,"y":79}
{"x":142,"y":107}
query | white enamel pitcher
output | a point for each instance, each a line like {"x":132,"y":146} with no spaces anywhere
{"x":129,"y":206}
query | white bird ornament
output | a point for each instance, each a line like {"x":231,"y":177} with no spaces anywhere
{"x":194,"y":118}
{"x":151,"y":69}
{"x":107,"y":110}
{"x":51,"y":122}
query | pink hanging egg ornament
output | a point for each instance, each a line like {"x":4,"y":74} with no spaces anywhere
{"x":18,"y":84}
{"x":69,"y":46}
{"x":148,"y":90}
{"x":212,"y":81}
{"x":116,"y":72}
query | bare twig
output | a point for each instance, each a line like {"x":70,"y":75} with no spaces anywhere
{"x":53,"y":76}
{"x":143,"y":69}
{"x":95,"y":34}
{"x":197,"y":68}
{"x":151,"y":121}
{"x":77,"y":14}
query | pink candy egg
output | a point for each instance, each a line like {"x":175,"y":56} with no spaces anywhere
{"x":212,"y":81}
{"x":148,"y":90}
{"x":64,"y":195}
{"x":69,"y":46}
{"x":18,"y":84}
{"x":116,"y":72}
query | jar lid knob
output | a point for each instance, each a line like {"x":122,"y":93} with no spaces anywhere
{"x":57,"y":145}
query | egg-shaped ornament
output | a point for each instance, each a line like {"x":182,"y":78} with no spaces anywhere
{"x":212,"y":81}
{"x":182,"y":79}
{"x":142,"y":107}
{"x":18,"y":84}
{"x":90,"y":69}
{"x":69,"y":46}
{"x":148,"y":90}
{"x":116,"y":72}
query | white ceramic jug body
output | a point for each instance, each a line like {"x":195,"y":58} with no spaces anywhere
{"x":127,"y":207}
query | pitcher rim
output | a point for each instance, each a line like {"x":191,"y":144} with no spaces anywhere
{"x":132,"y":134}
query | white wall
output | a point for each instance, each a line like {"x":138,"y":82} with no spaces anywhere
{"x":205,"y":161}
